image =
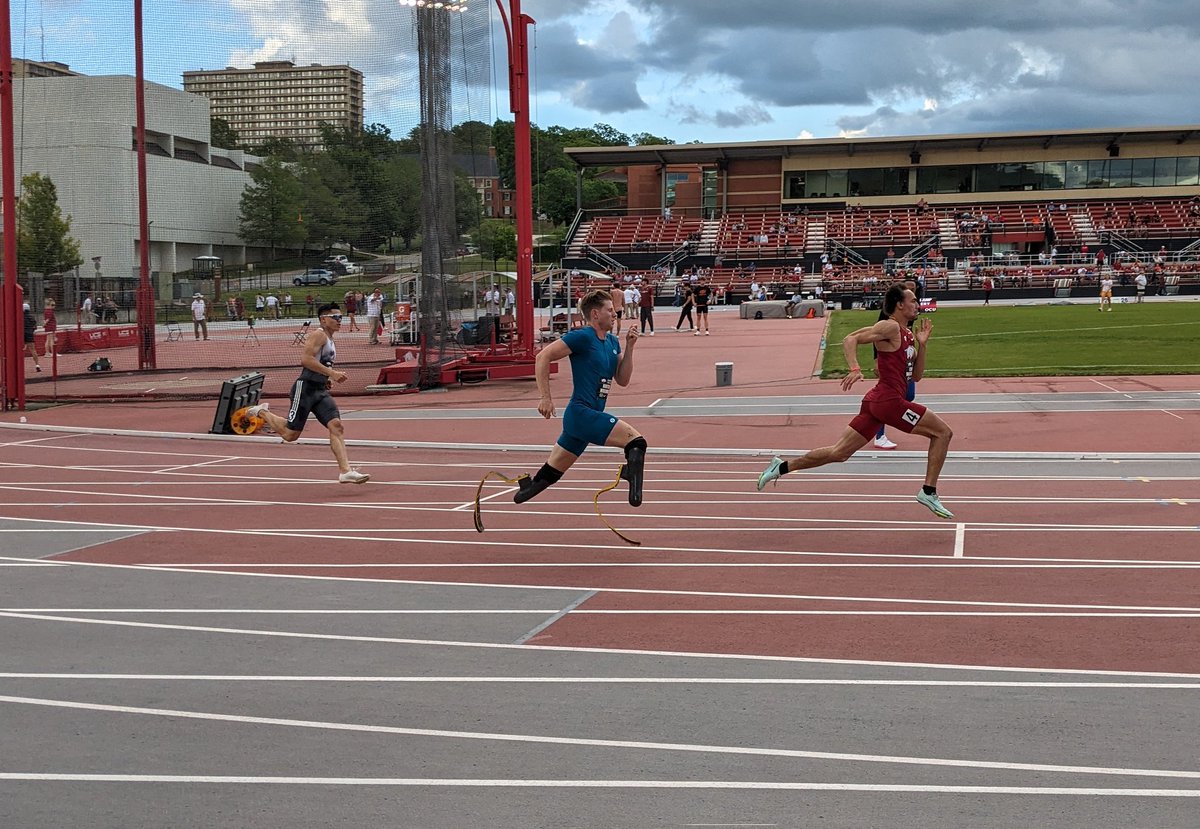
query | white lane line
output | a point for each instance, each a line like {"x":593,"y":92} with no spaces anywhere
{"x":639,"y":745}
{"x":1032,"y":564}
{"x":657,"y":654}
{"x":724,"y":785}
{"x":635,"y":591}
{"x":1172,"y":414}
{"x":470,"y":505}
{"x":30,"y":563}
{"x":605,"y":651}
{"x":573,"y":606}
{"x":1110,"y":388}
{"x":843,"y":525}
{"x":960,"y":536}
{"x":34,"y":441}
{"x":193,"y":465}
{"x":614,"y":680}
{"x":540,"y":448}
{"x":276,"y":612}
{"x":650,"y":611}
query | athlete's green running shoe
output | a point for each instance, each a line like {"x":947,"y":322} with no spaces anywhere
{"x":771,"y":473}
{"x":935,"y":506}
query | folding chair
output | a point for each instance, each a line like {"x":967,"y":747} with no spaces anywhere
{"x":174,"y":332}
{"x":299,"y":336}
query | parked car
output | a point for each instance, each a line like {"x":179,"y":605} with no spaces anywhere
{"x":343,"y":268}
{"x":316,"y":276}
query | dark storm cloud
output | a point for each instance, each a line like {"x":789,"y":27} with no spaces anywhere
{"x":1071,"y":65}
{"x":750,"y":115}
{"x":591,"y":76}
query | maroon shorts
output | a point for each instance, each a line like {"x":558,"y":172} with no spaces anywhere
{"x":891,"y":411}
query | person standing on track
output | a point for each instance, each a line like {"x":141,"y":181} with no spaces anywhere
{"x":901,"y":355}
{"x":596,"y":360}
{"x":310,"y":393}
{"x":702,"y":295}
{"x":1106,"y":288}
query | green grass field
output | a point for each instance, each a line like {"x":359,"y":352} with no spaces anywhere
{"x":1044,"y":340}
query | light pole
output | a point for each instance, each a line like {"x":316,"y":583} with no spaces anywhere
{"x":516,"y":35}
{"x":11,"y":322}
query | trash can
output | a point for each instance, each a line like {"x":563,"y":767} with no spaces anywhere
{"x":847,"y":302}
{"x":724,"y":374}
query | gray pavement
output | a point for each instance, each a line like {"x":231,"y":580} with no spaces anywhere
{"x":357,"y":704}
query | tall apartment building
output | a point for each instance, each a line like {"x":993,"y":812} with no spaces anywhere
{"x":24,"y":68}
{"x":277,"y":99}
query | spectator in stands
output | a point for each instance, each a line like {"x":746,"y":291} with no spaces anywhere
{"x":231,"y":308}
{"x":1140,"y":283}
{"x":685,"y":312}
{"x":646,"y":306}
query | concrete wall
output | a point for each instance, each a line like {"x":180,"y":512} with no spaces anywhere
{"x":80,"y":133}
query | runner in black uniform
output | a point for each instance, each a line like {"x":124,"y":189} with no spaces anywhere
{"x":310,"y":393}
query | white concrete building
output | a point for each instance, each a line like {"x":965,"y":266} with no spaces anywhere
{"x":80,"y":132}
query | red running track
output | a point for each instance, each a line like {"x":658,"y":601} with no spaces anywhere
{"x":1070,"y":573}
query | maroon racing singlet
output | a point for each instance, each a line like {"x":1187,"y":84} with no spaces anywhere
{"x":895,"y":369}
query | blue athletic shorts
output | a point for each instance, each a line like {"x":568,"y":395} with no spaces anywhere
{"x":582,"y":426}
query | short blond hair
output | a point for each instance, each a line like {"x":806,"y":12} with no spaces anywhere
{"x":593,"y":301}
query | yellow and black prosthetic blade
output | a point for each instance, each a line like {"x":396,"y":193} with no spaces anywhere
{"x":596,"y":502}
{"x":479,"y":490}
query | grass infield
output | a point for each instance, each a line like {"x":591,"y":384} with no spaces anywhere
{"x":1043,"y":340}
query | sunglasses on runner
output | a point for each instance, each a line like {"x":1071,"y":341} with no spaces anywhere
{"x":337,"y":317}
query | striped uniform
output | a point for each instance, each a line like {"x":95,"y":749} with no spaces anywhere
{"x":310,"y":393}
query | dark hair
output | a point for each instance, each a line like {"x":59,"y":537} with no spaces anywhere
{"x":593,"y":301}
{"x":893,"y":298}
{"x":327,"y":307}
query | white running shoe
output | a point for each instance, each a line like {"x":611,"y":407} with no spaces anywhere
{"x":255,"y":411}
{"x":771,"y":473}
{"x":884,"y":443}
{"x":934,"y":505}
{"x":353,"y":477}
{"x":706,"y":333}
{"x":697,"y":333}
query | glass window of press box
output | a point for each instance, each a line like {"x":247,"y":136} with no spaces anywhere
{"x":994,"y":178}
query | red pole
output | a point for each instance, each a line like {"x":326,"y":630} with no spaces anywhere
{"x":518,"y":96}
{"x":145,"y":294}
{"x":11,"y":322}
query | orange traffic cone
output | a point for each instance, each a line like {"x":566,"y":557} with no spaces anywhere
{"x":812,"y":312}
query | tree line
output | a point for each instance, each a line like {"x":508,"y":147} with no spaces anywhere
{"x":363,"y":187}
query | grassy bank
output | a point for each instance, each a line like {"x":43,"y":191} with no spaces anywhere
{"x":1045,"y":340}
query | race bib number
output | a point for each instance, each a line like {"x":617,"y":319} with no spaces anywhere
{"x":910,"y":417}
{"x":605,"y":385}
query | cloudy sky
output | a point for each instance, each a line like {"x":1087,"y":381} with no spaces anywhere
{"x":708,"y":70}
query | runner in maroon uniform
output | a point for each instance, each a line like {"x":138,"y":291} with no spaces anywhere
{"x":901,"y":357}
